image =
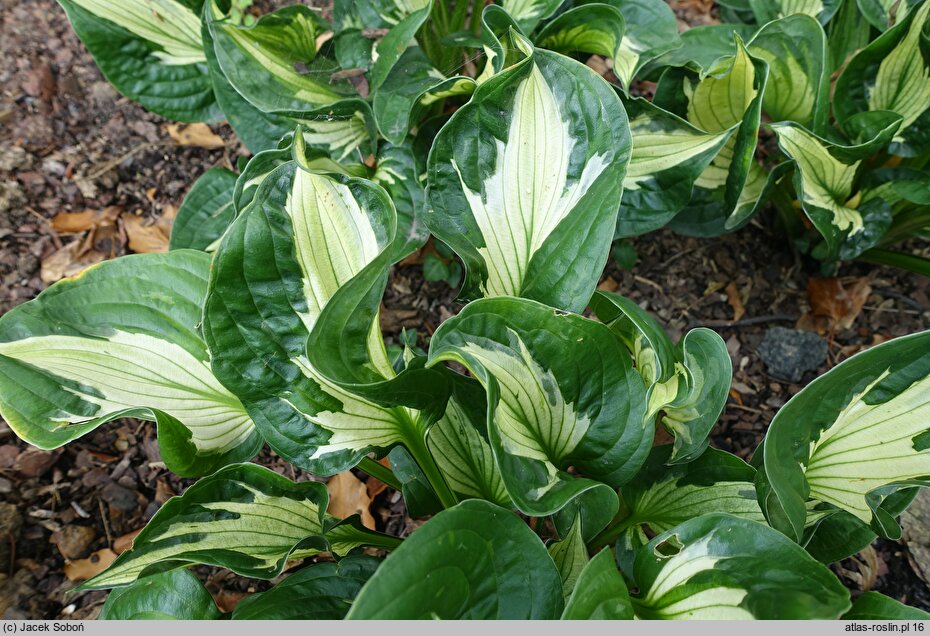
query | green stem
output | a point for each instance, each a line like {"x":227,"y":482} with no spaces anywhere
{"x":416,"y":444}
{"x":474,"y":22}
{"x":623,"y":520}
{"x":917,"y":264}
{"x":380,"y":472}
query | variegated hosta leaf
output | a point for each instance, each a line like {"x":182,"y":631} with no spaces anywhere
{"x":305,"y":237}
{"x":525,"y":181}
{"x":892,"y":74}
{"x":651,"y":30}
{"x":404,"y":17}
{"x":726,"y":97}
{"x":797,"y":90}
{"x":661,"y":496}
{"x":852,"y":437}
{"x":600,"y":592}
{"x":458,"y":442}
{"x":561,"y":393}
{"x":702,"y":46}
{"x":275,"y":64}
{"x":473,"y":561}
{"x":206,"y":212}
{"x":593,"y":28}
{"x":885,"y":13}
{"x":122,"y":339}
{"x":243,"y":517}
{"x":825,"y":186}
{"x":322,"y":591}
{"x":718,"y":567}
{"x":173,"y":595}
{"x":669,"y":154}
{"x":528,"y":13}
{"x":768,"y":10}
{"x":687,"y":384}
{"x":402,"y":172}
{"x":344,"y":131}
{"x":570,"y":556}
{"x":412,"y":83}
{"x":151,"y":51}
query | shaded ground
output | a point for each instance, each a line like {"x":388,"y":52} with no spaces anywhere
{"x":68,"y":142}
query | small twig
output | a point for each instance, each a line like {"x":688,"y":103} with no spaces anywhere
{"x":106,"y":525}
{"x":745,"y":408}
{"x":126,"y":155}
{"x":745,"y":322}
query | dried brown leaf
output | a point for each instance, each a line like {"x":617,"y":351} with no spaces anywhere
{"x":75,"y":222}
{"x":83,"y":569}
{"x":198,"y":134}
{"x":70,"y":260}
{"x":735,"y":301}
{"x":834,"y":304}
{"x":145,"y":237}
{"x":348,"y":496}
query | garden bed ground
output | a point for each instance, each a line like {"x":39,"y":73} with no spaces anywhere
{"x":69,"y":142}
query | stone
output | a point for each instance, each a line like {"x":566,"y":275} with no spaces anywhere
{"x":789,"y":353}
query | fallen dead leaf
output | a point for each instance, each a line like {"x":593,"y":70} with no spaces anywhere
{"x":83,"y":569}
{"x":144,"y":236}
{"x":70,"y":260}
{"x":834,"y":304}
{"x":348,"y":496}
{"x":198,"y":134}
{"x":73,"y":541}
{"x":915,"y":524}
{"x":75,"y":222}
{"x":123,"y":543}
{"x":375,"y":486}
{"x":735,"y":301}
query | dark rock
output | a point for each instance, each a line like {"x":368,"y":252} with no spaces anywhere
{"x":789,"y":353}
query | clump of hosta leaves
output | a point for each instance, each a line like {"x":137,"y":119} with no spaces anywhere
{"x":524,"y":432}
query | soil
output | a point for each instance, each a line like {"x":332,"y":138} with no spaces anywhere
{"x":69,"y":142}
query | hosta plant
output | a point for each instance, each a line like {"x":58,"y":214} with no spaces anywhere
{"x":525,"y":432}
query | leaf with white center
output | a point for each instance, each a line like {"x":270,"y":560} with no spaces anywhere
{"x":244,"y":517}
{"x":570,"y":556}
{"x":174,"y":595}
{"x":852,"y":437}
{"x":122,"y":339}
{"x":473,"y":561}
{"x":688,"y":383}
{"x":885,"y":13}
{"x":529,"y":13}
{"x":797,"y":90}
{"x":892,"y":74}
{"x":661,"y":496}
{"x":322,"y":591}
{"x":458,"y":442}
{"x":872,"y":606}
{"x":726,"y":97}
{"x":720,"y":567}
{"x":206,"y":212}
{"x":525,"y":181}
{"x":344,"y":131}
{"x":768,"y":10}
{"x":669,"y":154}
{"x":411,"y":85}
{"x":600,"y":592}
{"x":548,"y":411}
{"x":405,"y":20}
{"x":151,"y":51}
{"x":402,"y":173}
{"x":826,"y":187}
{"x":594,"y":28}
{"x":275,"y":64}
{"x":307,"y":239}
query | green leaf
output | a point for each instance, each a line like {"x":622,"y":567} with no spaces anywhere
{"x":892,"y":74}
{"x":847,"y":33}
{"x":402,"y":175}
{"x":244,"y":517}
{"x":768,"y":10}
{"x":322,"y":591}
{"x":661,"y":496}
{"x":883,"y":13}
{"x":174,"y":595}
{"x":473,"y":561}
{"x":525,"y":181}
{"x":718,"y":567}
{"x":795,"y":50}
{"x":419,"y":498}
{"x":687,"y":384}
{"x":600,"y":592}
{"x":852,"y":437}
{"x":151,"y":51}
{"x":570,"y":556}
{"x":872,"y":606}
{"x":206,"y":211}
{"x":458,"y":442}
{"x":342,"y":131}
{"x":122,"y":340}
{"x":651,"y":30}
{"x":405,"y":19}
{"x":528,"y":13}
{"x":561,"y":393}
{"x":702,"y":46}
{"x":826,"y":184}
{"x":275,"y":65}
{"x":590,"y":28}
{"x":413,"y":83}
{"x":669,"y":155}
